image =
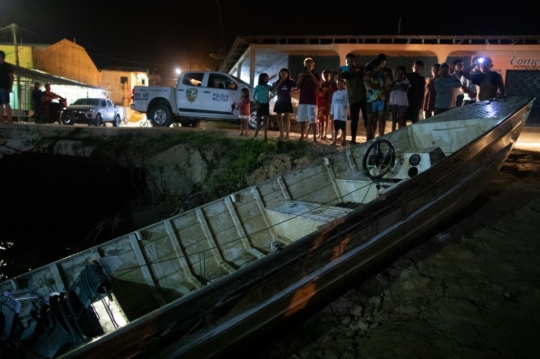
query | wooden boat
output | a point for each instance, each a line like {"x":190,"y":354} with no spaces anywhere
{"x":197,"y":283}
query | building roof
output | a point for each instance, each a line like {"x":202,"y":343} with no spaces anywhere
{"x":42,"y":76}
{"x":242,"y":43}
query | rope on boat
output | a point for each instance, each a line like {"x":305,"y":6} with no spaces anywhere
{"x":202,"y":254}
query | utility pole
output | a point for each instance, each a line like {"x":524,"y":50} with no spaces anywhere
{"x":15,"y":46}
{"x":222,"y":33}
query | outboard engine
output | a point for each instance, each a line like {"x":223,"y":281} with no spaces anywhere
{"x":35,"y":327}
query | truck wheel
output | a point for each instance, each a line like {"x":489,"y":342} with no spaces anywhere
{"x":116,"y":122}
{"x":98,"y":121}
{"x":252,"y":122}
{"x":161,"y":116}
{"x":66,"y":120}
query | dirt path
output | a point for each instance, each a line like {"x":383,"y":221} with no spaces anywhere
{"x":471,"y":291}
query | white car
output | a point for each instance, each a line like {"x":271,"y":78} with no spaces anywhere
{"x":91,"y":111}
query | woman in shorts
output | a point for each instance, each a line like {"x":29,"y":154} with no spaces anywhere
{"x":283,"y":107}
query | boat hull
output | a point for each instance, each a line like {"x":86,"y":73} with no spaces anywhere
{"x":363,"y":247}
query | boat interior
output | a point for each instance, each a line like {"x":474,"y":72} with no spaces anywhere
{"x":173,"y":258}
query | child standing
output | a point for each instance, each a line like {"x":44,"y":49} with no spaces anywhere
{"x":261,"y":96}
{"x":338,"y":112}
{"x":398,"y":98}
{"x":244,"y":109}
{"x":328,"y":87}
{"x":323,"y":109}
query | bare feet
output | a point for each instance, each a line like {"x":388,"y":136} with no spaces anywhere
{"x":241,"y":134}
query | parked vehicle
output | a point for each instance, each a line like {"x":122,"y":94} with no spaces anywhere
{"x":92,"y":111}
{"x":198,"y":95}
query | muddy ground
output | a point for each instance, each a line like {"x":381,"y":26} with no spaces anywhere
{"x":470,"y":291}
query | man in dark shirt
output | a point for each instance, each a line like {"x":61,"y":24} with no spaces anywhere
{"x":6,"y":86}
{"x":356,"y":91}
{"x":488,"y":82}
{"x":37,"y":95}
{"x":415,"y":95}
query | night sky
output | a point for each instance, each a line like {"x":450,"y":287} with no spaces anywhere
{"x":167,"y":34}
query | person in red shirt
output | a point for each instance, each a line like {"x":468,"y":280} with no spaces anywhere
{"x":308,"y":83}
{"x":244,"y":108}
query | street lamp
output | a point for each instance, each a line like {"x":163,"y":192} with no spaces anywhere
{"x":178,"y":71}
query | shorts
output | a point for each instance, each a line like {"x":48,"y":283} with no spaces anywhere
{"x":283,"y":107}
{"x":263,"y":110}
{"x":4,"y":96}
{"x":244,"y":117}
{"x":306,"y":113}
{"x":398,"y":108}
{"x":375,"y":106}
{"x":340,"y":125}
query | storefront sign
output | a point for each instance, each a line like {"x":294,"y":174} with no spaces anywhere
{"x":524,"y":63}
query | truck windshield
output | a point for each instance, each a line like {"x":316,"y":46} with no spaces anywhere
{"x":87,"y":101}
{"x":242,"y":81}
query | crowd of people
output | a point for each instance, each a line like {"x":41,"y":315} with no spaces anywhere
{"x":372,"y":91}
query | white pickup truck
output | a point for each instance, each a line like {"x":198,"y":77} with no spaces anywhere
{"x":198,"y":95}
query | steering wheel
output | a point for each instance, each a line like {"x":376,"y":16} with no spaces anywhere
{"x":378,"y":160}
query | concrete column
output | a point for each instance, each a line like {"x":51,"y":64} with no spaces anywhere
{"x":342,"y":52}
{"x":252,"y":62}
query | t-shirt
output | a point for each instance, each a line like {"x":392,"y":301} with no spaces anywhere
{"x":261,"y":94}
{"x":356,"y":89}
{"x":415,"y":95}
{"x":244,"y":106}
{"x":339,"y":103}
{"x":399,"y":97}
{"x":373,"y":94}
{"x":308,"y":90}
{"x":283,"y":92}
{"x":5,"y":70}
{"x":472,"y":87}
{"x":447,"y":88}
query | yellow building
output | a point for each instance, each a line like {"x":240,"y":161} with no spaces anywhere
{"x":71,"y":73}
